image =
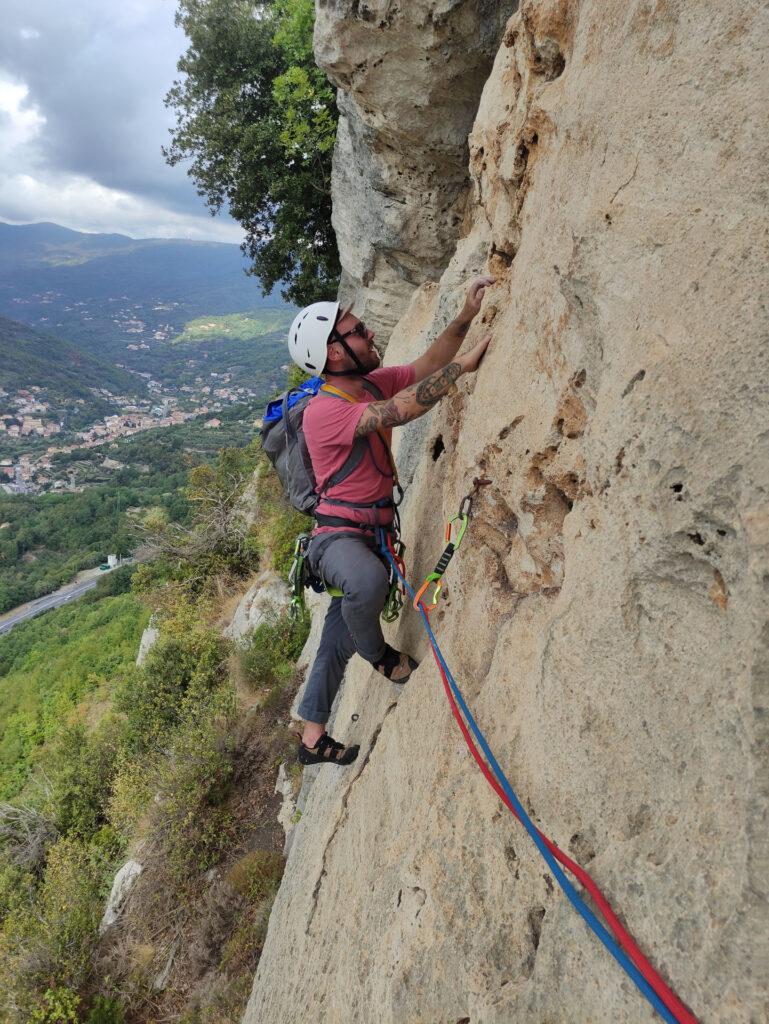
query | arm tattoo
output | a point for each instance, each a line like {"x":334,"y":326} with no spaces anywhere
{"x":434,"y":387}
{"x":410,"y":403}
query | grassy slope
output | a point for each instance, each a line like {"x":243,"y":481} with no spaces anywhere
{"x":236,"y":326}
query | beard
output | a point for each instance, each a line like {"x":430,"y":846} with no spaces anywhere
{"x":372,"y":359}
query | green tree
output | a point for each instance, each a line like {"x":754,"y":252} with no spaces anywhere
{"x":258,"y":120}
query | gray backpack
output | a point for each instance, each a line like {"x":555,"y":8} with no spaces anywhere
{"x":285,"y":446}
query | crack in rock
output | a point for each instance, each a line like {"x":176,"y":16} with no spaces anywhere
{"x":343,"y":816}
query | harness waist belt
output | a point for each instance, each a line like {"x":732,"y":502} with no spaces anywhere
{"x":381,"y":503}
{"x":323,"y":520}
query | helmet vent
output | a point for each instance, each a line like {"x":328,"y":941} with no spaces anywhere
{"x":324,"y":318}
{"x":309,"y":366}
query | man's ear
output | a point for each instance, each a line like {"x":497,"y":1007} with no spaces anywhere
{"x":334,"y":351}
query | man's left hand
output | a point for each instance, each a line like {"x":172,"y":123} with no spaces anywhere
{"x":475,"y":294}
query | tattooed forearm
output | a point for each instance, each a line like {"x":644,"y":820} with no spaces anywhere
{"x":435,"y":386}
{"x":410,"y":403}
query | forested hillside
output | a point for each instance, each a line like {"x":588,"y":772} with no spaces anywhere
{"x":65,"y":372}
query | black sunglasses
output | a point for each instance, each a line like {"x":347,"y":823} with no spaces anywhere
{"x":360,"y":329}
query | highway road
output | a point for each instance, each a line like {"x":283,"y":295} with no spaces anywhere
{"x":44,"y":604}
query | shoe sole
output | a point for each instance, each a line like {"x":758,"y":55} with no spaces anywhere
{"x":310,"y":759}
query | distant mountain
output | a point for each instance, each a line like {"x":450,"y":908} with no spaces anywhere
{"x":45,"y":258}
{"x":30,"y":358}
{"x":45,"y":244}
{"x":123,"y":299}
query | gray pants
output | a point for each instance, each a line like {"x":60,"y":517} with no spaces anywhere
{"x":350,"y":563}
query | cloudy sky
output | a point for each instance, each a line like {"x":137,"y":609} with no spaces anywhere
{"x":82,"y":119}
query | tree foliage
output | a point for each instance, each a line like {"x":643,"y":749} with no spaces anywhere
{"x":257,"y":118}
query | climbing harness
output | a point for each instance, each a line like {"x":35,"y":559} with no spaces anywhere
{"x":301,"y":576}
{"x":624,"y":950}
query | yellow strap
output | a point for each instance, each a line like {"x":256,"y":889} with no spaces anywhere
{"x":337,"y":391}
{"x":343,"y":394}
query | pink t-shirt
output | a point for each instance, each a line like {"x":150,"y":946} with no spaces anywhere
{"x":329,"y":429}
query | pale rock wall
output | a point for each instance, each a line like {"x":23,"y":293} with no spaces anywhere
{"x":148,"y":640}
{"x":409,"y":77}
{"x":263,"y":601}
{"x":607,"y":614}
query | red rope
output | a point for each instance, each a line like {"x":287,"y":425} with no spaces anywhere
{"x":625,"y":939}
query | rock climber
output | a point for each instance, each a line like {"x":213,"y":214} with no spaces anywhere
{"x":343,"y":550}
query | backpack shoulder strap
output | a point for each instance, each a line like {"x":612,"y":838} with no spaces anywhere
{"x":360,"y":445}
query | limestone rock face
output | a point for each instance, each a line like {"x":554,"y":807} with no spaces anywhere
{"x":146,"y":643}
{"x":606,"y":616}
{"x":121,"y":886}
{"x":409,"y":77}
{"x":265,"y":598}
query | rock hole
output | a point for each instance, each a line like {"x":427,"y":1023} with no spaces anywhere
{"x":635,"y":379}
{"x":438,"y":447}
{"x":536,"y":917}
{"x":721,"y":533}
{"x":607,"y":218}
{"x":549,"y":883}
{"x":506,"y":258}
{"x":548,"y":60}
{"x":583,"y":848}
{"x":676,"y":489}
{"x":511,"y":426}
{"x":697,"y":538}
{"x":618,"y":460}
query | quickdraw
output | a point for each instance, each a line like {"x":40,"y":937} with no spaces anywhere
{"x":397,"y":592}
{"x":462,"y":518}
{"x":299,"y":577}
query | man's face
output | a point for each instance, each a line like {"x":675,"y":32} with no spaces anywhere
{"x":361,"y":341}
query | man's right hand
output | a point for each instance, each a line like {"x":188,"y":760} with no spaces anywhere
{"x":470,"y":361}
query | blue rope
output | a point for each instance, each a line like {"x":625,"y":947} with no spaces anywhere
{"x":571,"y":893}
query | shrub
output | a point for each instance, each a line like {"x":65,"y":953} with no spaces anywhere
{"x":59,"y":1007}
{"x":105,"y":1010}
{"x":272,"y":650}
{"x":54,"y":937}
{"x":80,"y":768}
{"x":189,"y":824}
{"x":175,"y":684}
{"x":256,"y":876}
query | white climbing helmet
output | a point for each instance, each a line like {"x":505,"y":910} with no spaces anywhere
{"x":309,"y":334}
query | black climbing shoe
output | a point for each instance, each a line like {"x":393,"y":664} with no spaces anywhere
{"x":327,"y":751}
{"x":394,"y":660}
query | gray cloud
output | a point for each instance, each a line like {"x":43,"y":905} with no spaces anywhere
{"x":97,"y":73}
